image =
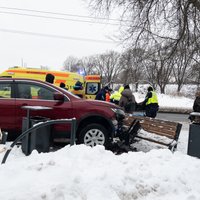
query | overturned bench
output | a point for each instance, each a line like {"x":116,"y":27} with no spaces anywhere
{"x":162,"y":128}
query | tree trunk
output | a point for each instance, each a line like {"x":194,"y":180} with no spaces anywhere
{"x":162,"y":89}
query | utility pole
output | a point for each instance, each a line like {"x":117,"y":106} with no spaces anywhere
{"x":22,"y":62}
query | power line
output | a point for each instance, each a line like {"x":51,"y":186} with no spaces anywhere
{"x":57,"y":13}
{"x":63,"y":14}
{"x":56,"y":36}
{"x":57,"y":18}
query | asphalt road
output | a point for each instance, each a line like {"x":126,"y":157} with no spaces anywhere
{"x":174,"y":117}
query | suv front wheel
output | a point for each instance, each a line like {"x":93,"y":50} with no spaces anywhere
{"x":94,"y":134}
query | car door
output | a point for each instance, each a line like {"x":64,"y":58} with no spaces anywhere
{"x":32,"y":93}
{"x":7,"y":106}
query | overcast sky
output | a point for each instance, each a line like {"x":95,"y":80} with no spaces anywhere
{"x":28,"y":39}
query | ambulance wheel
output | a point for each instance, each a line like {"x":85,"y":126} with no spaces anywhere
{"x":94,"y":134}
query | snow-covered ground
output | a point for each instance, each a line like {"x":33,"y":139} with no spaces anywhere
{"x":85,"y":173}
{"x":169,"y":101}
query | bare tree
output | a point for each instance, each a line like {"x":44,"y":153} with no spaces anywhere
{"x":44,"y":67}
{"x":72,"y":64}
{"x":150,"y":72}
{"x":164,"y":70}
{"x":183,"y":60}
{"x":88,"y":64}
{"x":158,"y":68}
{"x":144,"y":22}
{"x":131,"y":61}
{"x":196,"y":73}
{"x":108,"y":67}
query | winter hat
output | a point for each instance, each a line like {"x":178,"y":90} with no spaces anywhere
{"x":106,"y":88}
{"x":62,"y":85}
{"x":126,"y":87}
{"x":150,"y":88}
{"x":49,"y":78}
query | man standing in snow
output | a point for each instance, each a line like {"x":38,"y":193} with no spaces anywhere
{"x":101,"y":95}
{"x":196,"y":108}
{"x":127,"y":100}
{"x":151,"y":103}
{"x":115,"y":97}
{"x":196,"y":105}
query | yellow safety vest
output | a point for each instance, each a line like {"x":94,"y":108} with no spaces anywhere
{"x":117,"y":94}
{"x":153,"y":99}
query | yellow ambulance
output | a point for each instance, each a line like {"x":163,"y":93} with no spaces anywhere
{"x":90,"y":83}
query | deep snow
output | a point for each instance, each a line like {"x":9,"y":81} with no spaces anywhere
{"x":85,"y":173}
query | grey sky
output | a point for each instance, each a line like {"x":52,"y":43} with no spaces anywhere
{"x":37,"y":38}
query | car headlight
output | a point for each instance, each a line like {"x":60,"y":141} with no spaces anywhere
{"x":120,"y":114}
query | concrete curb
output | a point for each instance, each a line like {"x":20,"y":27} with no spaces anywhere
{"x":175,"y":110}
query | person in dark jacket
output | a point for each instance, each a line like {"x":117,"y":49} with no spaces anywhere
{"x":196,"y":105}
{"x":101,"y":95}
{"x":151,"y":103}
{"x":127,"y":100}
{"x":196,"y":108}
{"x":78,"y":86}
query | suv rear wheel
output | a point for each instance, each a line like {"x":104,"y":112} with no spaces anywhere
{"x":94,"y":134}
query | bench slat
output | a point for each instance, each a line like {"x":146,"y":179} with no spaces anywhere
{"x":155,"y":141}
{"x":160,"y":131}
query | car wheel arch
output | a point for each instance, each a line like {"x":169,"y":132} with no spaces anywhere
{"x":97,"y":119}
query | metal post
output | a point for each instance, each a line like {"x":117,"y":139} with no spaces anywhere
{"x":73,"y":131}
{"x":27,"y":127}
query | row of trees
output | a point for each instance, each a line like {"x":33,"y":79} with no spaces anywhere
{"x":136,"y":66}
{"x":162,"y":38}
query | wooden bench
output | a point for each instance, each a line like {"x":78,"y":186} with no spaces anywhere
{"x":162,"y":128}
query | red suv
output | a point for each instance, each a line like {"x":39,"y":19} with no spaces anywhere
{"x":97,"y":121}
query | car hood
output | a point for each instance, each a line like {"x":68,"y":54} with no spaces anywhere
{"x":102,"y":103}
{"x":98,"y":103}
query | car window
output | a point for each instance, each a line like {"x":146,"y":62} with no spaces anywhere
{"x":5,"y":90}
{"x":32,"y":91}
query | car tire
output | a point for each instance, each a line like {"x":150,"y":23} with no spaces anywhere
{"x":94,"y":134}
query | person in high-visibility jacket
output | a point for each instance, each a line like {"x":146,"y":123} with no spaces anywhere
{"x":115,"y":97}
{"x":151,"y":103}
{"x":108,"y":94}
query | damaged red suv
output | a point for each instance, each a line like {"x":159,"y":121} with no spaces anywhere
{"x":97,"y":121}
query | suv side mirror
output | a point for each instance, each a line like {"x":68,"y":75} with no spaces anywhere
{"x":58,"y":96}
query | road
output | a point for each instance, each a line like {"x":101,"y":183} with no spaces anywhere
{"x":174,"y":117}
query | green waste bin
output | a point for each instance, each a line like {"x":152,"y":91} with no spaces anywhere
{"x":38,"y":139}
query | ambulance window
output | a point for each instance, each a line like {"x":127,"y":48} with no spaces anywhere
{"x":5,"y":90}
{"x":92,"y":88}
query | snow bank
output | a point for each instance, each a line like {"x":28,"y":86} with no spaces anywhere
{"x":81,"y":172}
